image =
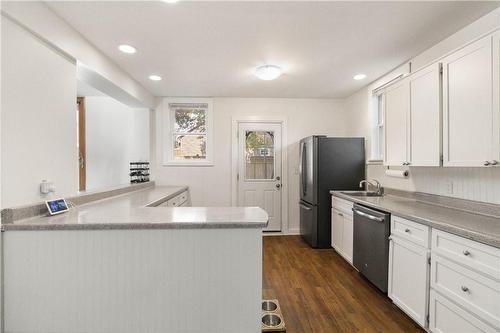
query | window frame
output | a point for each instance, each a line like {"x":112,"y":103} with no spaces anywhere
{"x":377,"y":128}
{"x":169,"y":132}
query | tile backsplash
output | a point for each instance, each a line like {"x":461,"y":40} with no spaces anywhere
{"x":478,"y":184}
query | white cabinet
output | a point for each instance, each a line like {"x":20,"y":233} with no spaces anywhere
{"x":342,"y":228}
{"x":337,"y":229}
{"x":465,"y":273}
{"x":396,"y":105}
{"x":409,"y":269}
{"x":413,"y":119}
{"x":425,"y":117}
{"x":470,"y":105}
{"x":347,"y":237}
{"x":448,"y":317}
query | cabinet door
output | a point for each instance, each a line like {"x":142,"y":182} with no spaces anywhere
{"x":337,"y":229}
{"x":496,"y":99}
{"x":409,"y":278}
{"x":395,"y":126}
{"x":347,"y":237}
{"x":425,"y":117}
{"x":468,"y":108}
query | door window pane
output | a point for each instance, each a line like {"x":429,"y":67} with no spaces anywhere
{"x":190,"y":147}
{"x":259,"y":155}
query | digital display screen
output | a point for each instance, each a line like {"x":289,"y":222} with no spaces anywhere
{"x":57,"y":206}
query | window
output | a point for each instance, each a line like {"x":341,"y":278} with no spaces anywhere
{"x":377,"y":146}
{"x":188,"y":123}
{"x":259,"y":155}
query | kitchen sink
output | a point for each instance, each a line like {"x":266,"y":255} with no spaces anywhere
{"x":362,"y":193}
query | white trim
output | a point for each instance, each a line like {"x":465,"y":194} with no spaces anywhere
{"x":284,"y":162}
{"x":166,"y":137}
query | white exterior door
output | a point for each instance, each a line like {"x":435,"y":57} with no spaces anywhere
{"x":259,"y":169}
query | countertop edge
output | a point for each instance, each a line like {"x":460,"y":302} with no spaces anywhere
{"x":466,"y":233}
{"x":135,"y":226}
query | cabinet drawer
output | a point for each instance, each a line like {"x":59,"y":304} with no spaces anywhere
{"x":476,"y":292}
{"x":412,"y":231}
{"x":342,"y":205}
{"x":480,"y":257}
{"x":447,"y":317}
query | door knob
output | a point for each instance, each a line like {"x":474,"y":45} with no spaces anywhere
{"x":494,"y":162}
{"x":278,"y":186}
{"x":486,"y":163}
{"x":278,"y":178}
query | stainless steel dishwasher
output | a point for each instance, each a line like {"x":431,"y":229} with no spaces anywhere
{"x":372,"y":229}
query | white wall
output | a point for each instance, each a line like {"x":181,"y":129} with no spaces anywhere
{"x":38,"y":17}
{"x":115,"y":135}
{"x":467,"y":183}
{"x":38,"y":118}
{"x":211,"y":186}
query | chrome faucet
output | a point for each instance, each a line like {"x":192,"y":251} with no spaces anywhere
{"x":374,"y":183}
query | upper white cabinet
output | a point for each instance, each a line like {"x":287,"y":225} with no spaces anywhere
{"x":470,"y":105}
{"x":413,"y":119}
{"x":425,"y":117}
{"x":396,"y":108}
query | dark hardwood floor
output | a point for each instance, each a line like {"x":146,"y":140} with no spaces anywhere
{"x":319,"y":292}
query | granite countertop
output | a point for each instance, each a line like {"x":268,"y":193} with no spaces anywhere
{"x":135,"y":210}
{"x":481,"y":228}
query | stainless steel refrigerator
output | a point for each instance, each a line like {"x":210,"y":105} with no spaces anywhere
{"x":326,"y":164}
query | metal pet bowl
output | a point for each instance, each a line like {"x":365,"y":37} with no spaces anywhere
{"x":271,"y":320}
{"x":269,"y":305}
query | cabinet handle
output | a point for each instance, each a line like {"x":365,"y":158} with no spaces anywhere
{"x":494,"y":162}
{"x":466,"y":253}
{"x":464,"y":289}
{"x":407,"y":230}
{"x":486,"y":163}
{"x":340,"y":214}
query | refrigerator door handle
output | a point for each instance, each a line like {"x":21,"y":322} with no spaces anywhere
{"x":303,"y":166}
{"x":304,"y":206}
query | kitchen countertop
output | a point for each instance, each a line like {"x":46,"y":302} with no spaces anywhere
{"x":131,"y":211}
{"x":481,"y":228}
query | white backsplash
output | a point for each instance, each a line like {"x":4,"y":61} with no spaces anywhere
{"x":478,"y":184}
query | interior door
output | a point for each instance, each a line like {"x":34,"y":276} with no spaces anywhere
{"x":259,"y":169}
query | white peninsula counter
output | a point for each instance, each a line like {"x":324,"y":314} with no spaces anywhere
{"x":121,"y":265}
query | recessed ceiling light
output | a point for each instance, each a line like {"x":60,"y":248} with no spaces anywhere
{"x":268,"y":72}
{"x":359,"y":77}
{"x":127,"y":49}
{"x":155,"y":78}
{"x":170,"y":1}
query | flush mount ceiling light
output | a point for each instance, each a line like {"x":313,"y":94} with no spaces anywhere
{"x":170,"y":1}
{"x":155,"y":77}
{"x":358,"y":77}
{"x":268,"y":72}
{"x":127,"y":49}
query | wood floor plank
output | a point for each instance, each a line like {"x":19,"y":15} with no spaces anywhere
{"x":319,"y":292}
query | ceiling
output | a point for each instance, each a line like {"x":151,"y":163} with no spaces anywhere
{"x":211,"y":48}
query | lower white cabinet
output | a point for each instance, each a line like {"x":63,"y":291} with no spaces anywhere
{"x":448,"y":317}
{"x":342,"y":228}
{"x":409,"y":278}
